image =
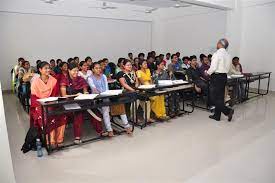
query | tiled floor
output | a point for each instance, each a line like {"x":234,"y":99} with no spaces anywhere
{"x":191,"y":149}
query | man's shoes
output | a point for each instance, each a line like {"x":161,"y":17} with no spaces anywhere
{"x":230,"y":115}
{"x":214,"y":117}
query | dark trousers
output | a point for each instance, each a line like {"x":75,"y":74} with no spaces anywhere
{"x":218,"y":82}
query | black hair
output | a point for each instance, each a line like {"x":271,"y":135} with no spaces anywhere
{"x":82,"y":63}
{"x":95,"y":63}
{"x":21,"y":59}
{"x":185,"y":57}
{"x":168,"y":54}
{"x":161,"y":55}
{"x":41,"y":65}
{"x":140,"y":62}
{"x":62,"y":63}
{"x":76,"y":58}
{"x":209,"y":56}
{"x":193,"y":57}
{"x":236,"y":58}
{"x":87,"y":58}
{"x":38,"y":61}
{"x":120,"y":60}
{"x":24,"y":62}
{"x":159,"y":62}
{"x":173,"y":56}
{"x":113,"y":68}
{"x":125,"y":61}
{"x":202,"y":56}
{"x":52,"y":60}
{"x":70,"y":60}
{"x":130,"y":53}
{"x":71,"y":66}
{"x":141,"y":55}
{"x":104,"y":59}
{"x":178,"y":53}
{"x":58,"y":60}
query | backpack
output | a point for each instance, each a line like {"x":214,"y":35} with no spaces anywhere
{"x":30,"y":140}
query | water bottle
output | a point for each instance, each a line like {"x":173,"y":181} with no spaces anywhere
{"x":39,"y":148}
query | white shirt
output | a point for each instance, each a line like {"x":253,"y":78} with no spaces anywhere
{"x":220,"y":63}
{"x":85,"y":76}
{"x":168,"y":61}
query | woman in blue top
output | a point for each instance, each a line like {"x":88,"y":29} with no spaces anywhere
{"x":98,"y":84}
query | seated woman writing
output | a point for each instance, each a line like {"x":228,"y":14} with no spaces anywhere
{"x":72,"y":85}
{"x":43,"y":87}
{"x":98,"y":84}
{"x":144,"y":77}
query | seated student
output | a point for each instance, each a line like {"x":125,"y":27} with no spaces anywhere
{"x":45,"y":86}
{"x":64,"y":71}
{"x":27,"y":77}
{"x":70,"y":60}
{"x":174,"y":66}
{"x":186,"y":62}
{"x":128,"y":80}
{"x":168,"y":59}
{"x":158,"y":102}
{"x":113,"y":69}
{"x":180,"y":62}
{"x":15,"y":72}
{"x":84,"y":72}
{"x":89,"y":62}
{"x":151,"y":63}
{"x":141,"y":56}
{"x":57,"y":69}
{"x":161,"y":58}
{"x":76,"y":60}
{"x":201,"y":60}
{"x":98,"y":84}
{"x":105,"y":67}
{"x":209,"y":57}
{"x":23,"y":70}
{"x":204,"y":67}
{"x":195,"y":76}
{"x":52,"y":64}
{"x":131,"y":58}
{"x":72,"y":85}
{"x":135,"y":65}
{"x":120,"y":65}
{"x":144,"y":76}
{"x":236,"y":68}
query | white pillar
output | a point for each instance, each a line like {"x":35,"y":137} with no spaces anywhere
{"x":234,"y":29}
{"x":6,"y":168}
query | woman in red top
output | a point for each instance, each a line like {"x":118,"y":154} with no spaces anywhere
{"x":43,"y":87}
{"x":71,"y":85}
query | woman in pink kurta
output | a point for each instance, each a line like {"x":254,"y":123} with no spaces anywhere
{"x":43,"y":87}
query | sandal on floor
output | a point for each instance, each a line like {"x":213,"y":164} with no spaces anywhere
{"x":111,"y":134}
{"x":129,"y":131}
{"x":104,"y":134}
{"x":77,"y":141}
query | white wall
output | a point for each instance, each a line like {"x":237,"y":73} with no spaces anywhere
{"x":191,"y":30}
{"x":258,"y":38}
{"x":43,"y":35}
{"x":6,"y":168}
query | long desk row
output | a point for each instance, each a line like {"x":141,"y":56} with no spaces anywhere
{"x":100,"y":101}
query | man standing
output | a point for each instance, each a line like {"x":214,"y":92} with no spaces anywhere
{"x":220,"y":66}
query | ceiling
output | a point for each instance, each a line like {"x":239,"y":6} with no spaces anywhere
{"x":150,"y":3}
{"x":216,"y":4}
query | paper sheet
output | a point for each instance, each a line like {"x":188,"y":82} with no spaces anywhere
{"x":86,"y":96}
{"x":111,"y":92}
